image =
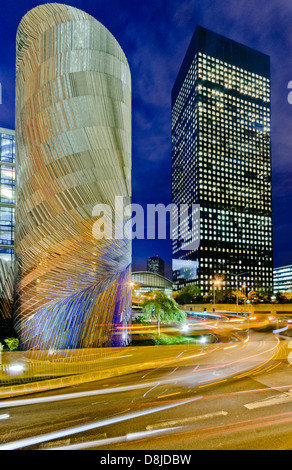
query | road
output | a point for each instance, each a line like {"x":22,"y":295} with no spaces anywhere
{"x":238,"y":396}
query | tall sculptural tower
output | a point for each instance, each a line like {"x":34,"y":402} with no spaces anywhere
{"x":73,"y":151}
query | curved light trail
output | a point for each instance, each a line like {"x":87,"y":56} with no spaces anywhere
{"x":87,"y":427}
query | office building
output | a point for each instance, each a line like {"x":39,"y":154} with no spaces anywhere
{"x":73,"y":133}
{"x":221,"y":160}
{"x":7,"y":193}
{"x":155,"y":265}
{"x":283,"y":279}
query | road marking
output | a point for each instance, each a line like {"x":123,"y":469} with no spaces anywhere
{"x":185,"y":421}
{"x":30,"y":441}
{"x":211,"y":383}
{"x":5,"y":416}
{"x":169,"y":395}
{"x":275,"y":400}
{"x":116,"y":440}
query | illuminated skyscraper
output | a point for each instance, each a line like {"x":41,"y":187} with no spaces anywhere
{"x":7,"y":193}
{"x":155,"y":265}
{"x":221,"y":160}
{"x":73,"y":136}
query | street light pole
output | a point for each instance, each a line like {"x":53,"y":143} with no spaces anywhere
{"x":236,"y":294}
{"x":214,"y":299}
{"x":244,"y":293}
{"x":237,"y":275}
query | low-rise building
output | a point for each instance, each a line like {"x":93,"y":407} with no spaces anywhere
{"x":283,"y":279}
{"x":144,"y":282}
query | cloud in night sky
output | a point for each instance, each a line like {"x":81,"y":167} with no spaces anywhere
{"x":154,"y":35}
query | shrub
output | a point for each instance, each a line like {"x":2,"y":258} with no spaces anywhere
{"x":11,"y":343}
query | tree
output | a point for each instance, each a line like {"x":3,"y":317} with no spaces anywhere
{"x":188,"y":295}
{"x":253,"y":296}
{"x":219,"y":296}
{"x":266,"y":295}
{"x":208,"y":298}
{"x":284,"y":297}
{"x":231,"y":295}
{"x":162,"y":309}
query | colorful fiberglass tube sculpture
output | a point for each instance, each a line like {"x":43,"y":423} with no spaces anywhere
{"x":73,"y":151}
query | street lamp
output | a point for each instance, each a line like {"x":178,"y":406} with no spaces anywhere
{"x":216,"y":282}
{"x":237,"y":276}
{"x":244,"y":286}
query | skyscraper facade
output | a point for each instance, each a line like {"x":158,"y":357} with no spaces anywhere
{"x":283,"y":279}
{"x":7,"y":193}
{"x":221,"y":160}
{"x":73,"y":134}
{"x":155,"y":265}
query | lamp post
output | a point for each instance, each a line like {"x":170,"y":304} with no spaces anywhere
{"x":244,"y":286}
{"x":237,"y":276}
{"x":217,"y":282}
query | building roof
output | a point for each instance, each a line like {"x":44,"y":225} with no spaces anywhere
{"x":151,"y":279}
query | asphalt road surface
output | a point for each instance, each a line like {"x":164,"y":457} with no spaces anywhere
{"x":238,"y":396}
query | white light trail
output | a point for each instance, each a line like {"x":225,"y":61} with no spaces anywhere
{"x":70,"y":396}
{"x":5,"y":416}
{"x":281,"y":329}
{"x":116,"y":440}
{"x":87,"y":427}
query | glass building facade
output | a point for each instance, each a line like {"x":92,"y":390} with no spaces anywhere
{"x":155,"y":265}
{"x":145,"y":282}
{"x":283,"y":279}
{"x":221,"y":160}
{"x":7,"y":193}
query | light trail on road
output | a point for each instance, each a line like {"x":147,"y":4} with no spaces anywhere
{"x":153,"y":384}
{"x":236,"y":426}
{"x":183,"y":376}
{"x":86,"y":427}
{"x":114,"y":440}
{"x":201,"y":433}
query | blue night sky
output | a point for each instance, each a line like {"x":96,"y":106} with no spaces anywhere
{"x":154,"y":35}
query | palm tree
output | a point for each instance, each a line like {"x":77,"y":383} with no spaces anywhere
{"x":161,"y":308}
